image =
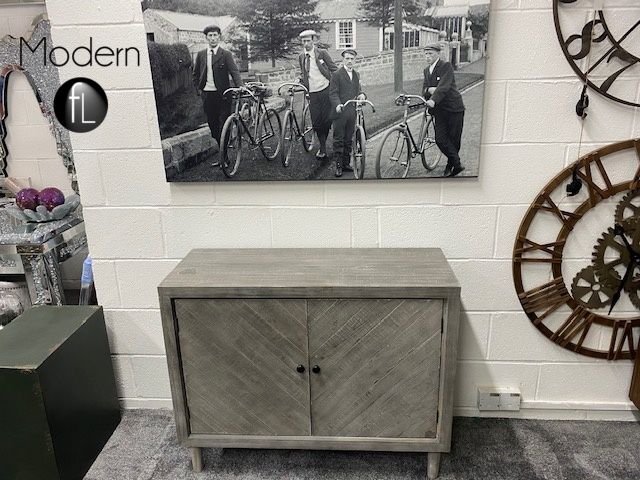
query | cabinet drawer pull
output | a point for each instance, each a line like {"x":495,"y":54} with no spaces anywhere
{"x":316,"y":369}
{"x":300,"y":368}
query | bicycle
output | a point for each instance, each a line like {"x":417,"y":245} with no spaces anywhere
{"x":250,"y":115}
{"x":359,"y":139}
{"x":291,"y":129}
{"x":399,"y":146}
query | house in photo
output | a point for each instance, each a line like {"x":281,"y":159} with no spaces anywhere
{"x":463,"y":21}
{"x":451,"y":16}
{"x":163,"y":26}
{"x":346,"y":24}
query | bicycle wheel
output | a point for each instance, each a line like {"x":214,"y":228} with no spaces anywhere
{"x":307,"y":129}
{"x":288,"y":138}
{"x":429,"y":151}
{"x":269,"y":130}
{"x":231,"y":151}
{"x":359,"y":152}
{"x":394,"y":155}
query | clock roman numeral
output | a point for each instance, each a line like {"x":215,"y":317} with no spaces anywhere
{"x":627,"y":337}
{"x":603,"y":173}
{"x":595,"y":192}
{"x":548,"y":297}
{"x":531,"y":246}
{"x":568,"y":219}
{"x":579,"y":321}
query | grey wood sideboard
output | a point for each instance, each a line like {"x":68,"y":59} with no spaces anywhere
{"x":329,"y":349}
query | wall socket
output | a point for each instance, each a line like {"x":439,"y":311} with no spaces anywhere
{"x":495,"y":398}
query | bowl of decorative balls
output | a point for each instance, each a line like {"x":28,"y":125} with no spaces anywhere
{"x":45,"y":205}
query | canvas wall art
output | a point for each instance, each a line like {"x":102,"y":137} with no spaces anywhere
{"x":318,"y":89}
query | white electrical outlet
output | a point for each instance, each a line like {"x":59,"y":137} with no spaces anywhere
{"x":495,"y":398}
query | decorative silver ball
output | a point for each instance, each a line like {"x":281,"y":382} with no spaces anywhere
{"x":10,"y":308}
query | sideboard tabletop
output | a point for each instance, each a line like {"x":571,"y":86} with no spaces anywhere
{"x":410,"y":272}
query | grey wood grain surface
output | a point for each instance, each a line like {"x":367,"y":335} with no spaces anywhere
{"x":311,"y":272}
{"x":379,"y":367}
{"x":239,"y":359}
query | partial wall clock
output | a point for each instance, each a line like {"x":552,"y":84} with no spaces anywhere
{"x":585,"y":297}
{"x":602,"y":45}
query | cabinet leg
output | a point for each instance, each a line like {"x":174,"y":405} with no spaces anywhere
{"x":433,"y":465}
{"x":196,"y":459}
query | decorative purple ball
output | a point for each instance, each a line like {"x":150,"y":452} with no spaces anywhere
{"x":51,"y":197}
{"x":28,"y":198}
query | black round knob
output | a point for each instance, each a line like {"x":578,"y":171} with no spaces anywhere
{"x":300,"y":368}
{"x":316,"y":369}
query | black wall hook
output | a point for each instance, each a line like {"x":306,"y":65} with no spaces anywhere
{"x":583,"y":104}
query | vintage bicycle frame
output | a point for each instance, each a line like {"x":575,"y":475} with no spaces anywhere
{"x":305,"y":102}
{"x":261,"y":108}
{"x":426,"y":117}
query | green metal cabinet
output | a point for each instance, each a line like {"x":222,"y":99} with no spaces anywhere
{"x":58,"y":402}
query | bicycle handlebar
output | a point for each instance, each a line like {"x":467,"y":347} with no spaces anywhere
{"x":237,"y":90}
{"x":255,"y":84}
{"x":293,"y":87}
{"x":359,"y":103}
{"x":405,"y":99}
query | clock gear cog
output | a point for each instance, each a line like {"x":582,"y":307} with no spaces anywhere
{"x":611,"y":258}
{"x":592,"y":291}
{"x":628,"y":208}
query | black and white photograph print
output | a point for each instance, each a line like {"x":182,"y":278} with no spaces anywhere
{"x":318,"y":89}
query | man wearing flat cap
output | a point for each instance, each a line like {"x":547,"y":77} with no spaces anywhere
{"x":211,"y":71}
{"x":317,"y":66}
{"x":446,"y":106}
{"x":344,"y":86}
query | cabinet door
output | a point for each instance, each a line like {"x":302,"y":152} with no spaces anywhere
{"x":379,"y":367}
{"x":239,"y":360}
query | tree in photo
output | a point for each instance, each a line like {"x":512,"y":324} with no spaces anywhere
{"x":380,"y":12}
{"x":479,"y":17}
{"x":273,"y":26}
{"x":196,"y":7}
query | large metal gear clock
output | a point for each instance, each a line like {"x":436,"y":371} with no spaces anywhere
{"x":602,"y":45}
{"x":592,"y":309}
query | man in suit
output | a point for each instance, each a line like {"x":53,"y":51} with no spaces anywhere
{"x":344,"y":86}
{"x":317,"y":66}
{"x":211,"y":72}
{"x":445,"y":102}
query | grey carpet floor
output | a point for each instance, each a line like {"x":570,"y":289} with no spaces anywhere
{"x":144,"y":447}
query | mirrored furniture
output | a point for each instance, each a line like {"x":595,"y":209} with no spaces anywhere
{"x":32,"y":253}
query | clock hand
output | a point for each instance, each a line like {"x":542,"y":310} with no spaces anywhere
{"x":635,"y":259}
{"x":625,"y":279}
{"x":616,"y":45}
{"x":619,"y":230}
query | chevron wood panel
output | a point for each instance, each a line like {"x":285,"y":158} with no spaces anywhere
{"x":239,"y":361}
{"x":379,"y":367}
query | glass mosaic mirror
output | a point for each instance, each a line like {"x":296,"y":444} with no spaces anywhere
{"x":44,"y":80}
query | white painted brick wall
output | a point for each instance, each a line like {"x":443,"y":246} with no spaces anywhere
{"x":529,"y":133}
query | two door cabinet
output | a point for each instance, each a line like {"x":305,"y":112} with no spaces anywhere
{"x":312,"y":348}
